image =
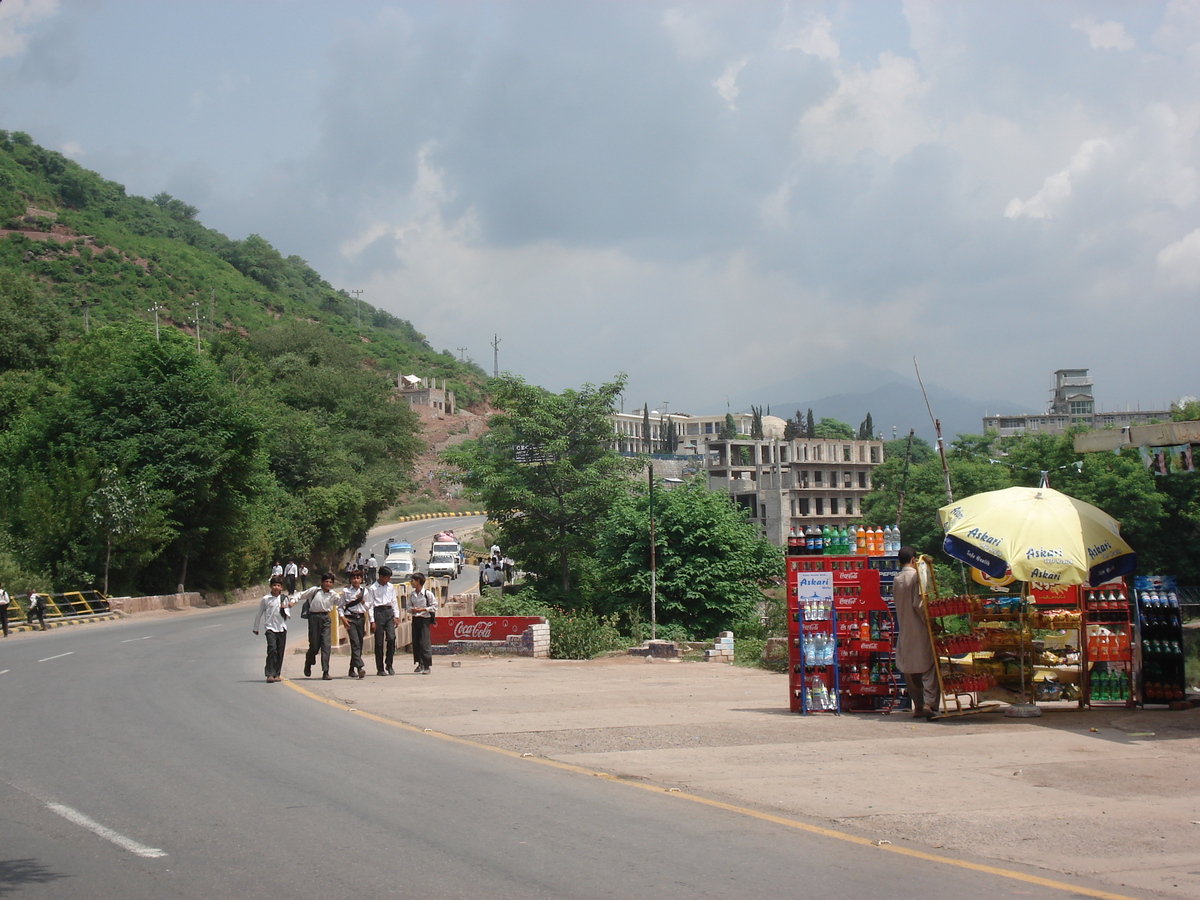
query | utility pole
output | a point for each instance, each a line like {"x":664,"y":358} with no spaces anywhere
{"x":461,"y":351}
{"x":196,"y":319}
{"x":358,"y":297}
{"x":154,"y":309}
{"x":85,"y":305}
{"x":495,"y":356}
{"x":653,"y":566}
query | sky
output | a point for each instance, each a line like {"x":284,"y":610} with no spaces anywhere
{"x":712,"y":197}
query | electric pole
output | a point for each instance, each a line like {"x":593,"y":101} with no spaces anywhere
{"x":358,"y":298}
{"x":495,"y":356}
{"x":154,"y":309}
{"x":196,"y":319}
{"x":85,"y":305}
{"x":461,"y":351}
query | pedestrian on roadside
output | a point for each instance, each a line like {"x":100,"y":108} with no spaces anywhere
{"x":372,"y":568}
{"x":304,"y":576}
{"x":277,"y":570}
{"x":273,"y":615}
{"x":383,"y":610}
{"x":914,"y":647}
{"x":321,"y":602}
{"x":422,"y":604}
{"x":507,"y":564}
{"x":290,"y":573}
{"x":4,"y":601}
{"x":36,"y":607}
{"x":353,"y":613}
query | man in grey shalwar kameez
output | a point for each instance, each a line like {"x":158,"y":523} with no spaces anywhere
{"x":914,"y":651}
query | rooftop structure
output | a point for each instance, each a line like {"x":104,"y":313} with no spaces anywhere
{"x":1072,"y":403}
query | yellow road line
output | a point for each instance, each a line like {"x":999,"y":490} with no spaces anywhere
{"x":729,"y":807}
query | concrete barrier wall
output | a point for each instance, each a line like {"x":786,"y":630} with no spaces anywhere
{"x":130,"y":605}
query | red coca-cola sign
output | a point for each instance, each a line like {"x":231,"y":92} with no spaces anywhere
{"x":478,"y":628}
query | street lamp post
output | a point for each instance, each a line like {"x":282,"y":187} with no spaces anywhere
{"x":654,"y":558}
{"x":653,"y":566}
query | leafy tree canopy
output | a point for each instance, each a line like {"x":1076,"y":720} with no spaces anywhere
{"x":547,"y":473}
{"x":711,"y":562}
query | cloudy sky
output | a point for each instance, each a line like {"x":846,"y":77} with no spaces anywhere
{"x":712,"y":197}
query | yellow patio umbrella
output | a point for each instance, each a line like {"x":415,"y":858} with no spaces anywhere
{"x":1039,"y":533}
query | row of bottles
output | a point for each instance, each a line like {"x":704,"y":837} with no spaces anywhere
{"x":846,"y":540}
{"x":875,"y":673}
{"x":1161,"y":684}
{"x":1164,"y":620}
{"x":815,"y":610}
{"x":1160,"y":600}
{"x":1106,"y":600}
{"x":817,"y":694}
{"x":819,"y":649}
{"x":1107,"y":647}
{"x":1151,"y":647}
{"x":874,"y":625}
{"x":1109,"y":685}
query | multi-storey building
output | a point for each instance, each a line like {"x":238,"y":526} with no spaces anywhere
{"x":787,"y":486}
{"x":1073,"y":403}
{"x":692,"y":433}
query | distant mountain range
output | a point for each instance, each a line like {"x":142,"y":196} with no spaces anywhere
{"x":892,"y":400}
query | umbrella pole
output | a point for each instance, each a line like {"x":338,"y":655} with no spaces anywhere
{"x":1024,"y":709}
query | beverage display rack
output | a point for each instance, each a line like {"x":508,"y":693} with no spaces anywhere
{"x":855,"y":660}
{"x":1159,"y":640}
{"x":1107,"y":643}
{"x":960,"y":682}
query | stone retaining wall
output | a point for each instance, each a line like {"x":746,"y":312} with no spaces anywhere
{"x":130,"y":605}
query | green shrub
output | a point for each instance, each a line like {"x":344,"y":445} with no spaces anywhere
{"x":583,"y":636}
{"x":494,"y":602}
{"x":672,"y":632}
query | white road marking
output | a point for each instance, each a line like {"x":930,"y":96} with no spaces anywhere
{"x":4,"y":671}
{"x":131,"y":640}
{"x":210,"y":626}
{"x":60,"y":656}
{"x":74,"y":815}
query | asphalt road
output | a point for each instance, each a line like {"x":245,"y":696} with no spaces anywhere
{"x":419,"y":534}
{"x":149,"y":759}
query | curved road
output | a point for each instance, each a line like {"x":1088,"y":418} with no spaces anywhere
{"x":149,"y":759}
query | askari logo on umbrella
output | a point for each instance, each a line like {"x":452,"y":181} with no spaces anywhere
{"x":1093,"y":552}
{"x":1055,"y":557}
{"x":978,"y":534}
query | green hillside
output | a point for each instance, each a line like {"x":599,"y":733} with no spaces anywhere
{"x":257,"y":421}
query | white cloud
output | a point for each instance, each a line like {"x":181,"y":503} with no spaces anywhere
{"x":816,"y":39}
{"x":17,"y":17}
{"x":73,"y":149}
{"x":1180,"y":261}
{"x":726,"y":85}
{"x":1105,"y":35}
{"x":875,"y":109}
{"x":1057,"y":188}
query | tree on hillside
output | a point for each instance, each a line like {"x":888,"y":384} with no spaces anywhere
{"x":166,"y":419}
{"x":546,"y":472}
{"x":711,"y":563}
{"x":810,"y":428}
{"x":756,"y":423}
{"x":866,"y":431}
